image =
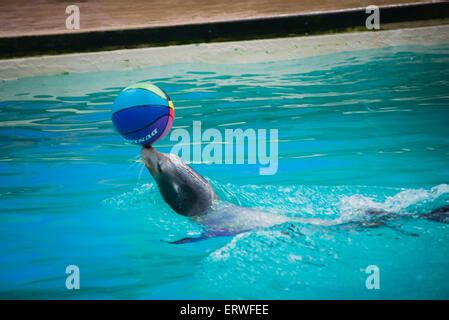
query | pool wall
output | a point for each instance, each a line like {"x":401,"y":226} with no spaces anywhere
{"x":242,"y":29}
{"x":252,"y":51}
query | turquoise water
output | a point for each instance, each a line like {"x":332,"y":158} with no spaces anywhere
{"x":357,"y":130}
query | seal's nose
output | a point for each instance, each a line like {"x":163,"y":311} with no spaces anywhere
{"x":149,"y":157}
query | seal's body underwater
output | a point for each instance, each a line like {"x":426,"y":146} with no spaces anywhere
{"x":189,"y":194}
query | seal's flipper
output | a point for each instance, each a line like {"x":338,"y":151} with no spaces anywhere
{"x":439,"y":215}
{"x":189,"y":240}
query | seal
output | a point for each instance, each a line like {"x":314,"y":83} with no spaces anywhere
{"x":184,"y":189}
{"x":190,"y":194}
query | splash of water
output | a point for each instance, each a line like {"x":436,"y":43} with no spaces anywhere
{"x":409,"y":201}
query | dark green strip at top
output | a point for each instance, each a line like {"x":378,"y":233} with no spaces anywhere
{"x":270,"y":27}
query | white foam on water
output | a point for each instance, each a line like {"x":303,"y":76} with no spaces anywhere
{"x":355,"y":206}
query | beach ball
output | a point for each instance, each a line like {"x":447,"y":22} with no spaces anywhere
{"x":143,"y":113}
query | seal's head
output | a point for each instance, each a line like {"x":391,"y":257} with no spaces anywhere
{"x":185,"y":190}
{"x":154,"y":161}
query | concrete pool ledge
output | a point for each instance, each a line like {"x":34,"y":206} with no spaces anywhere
{"x":235,"y":52}
{"x":39,"y":42}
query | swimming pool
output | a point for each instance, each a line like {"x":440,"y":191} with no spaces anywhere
{"x":357,"y":130}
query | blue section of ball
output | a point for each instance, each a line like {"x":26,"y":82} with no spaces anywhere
{"x":142,"y":113}
{"x":149,"y":134}
{"x":135,"y":118}
{"x":137,"y":97}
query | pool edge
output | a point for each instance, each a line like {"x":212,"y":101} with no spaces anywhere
{"x":237,"y":52}
{"x":233,"y":30}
